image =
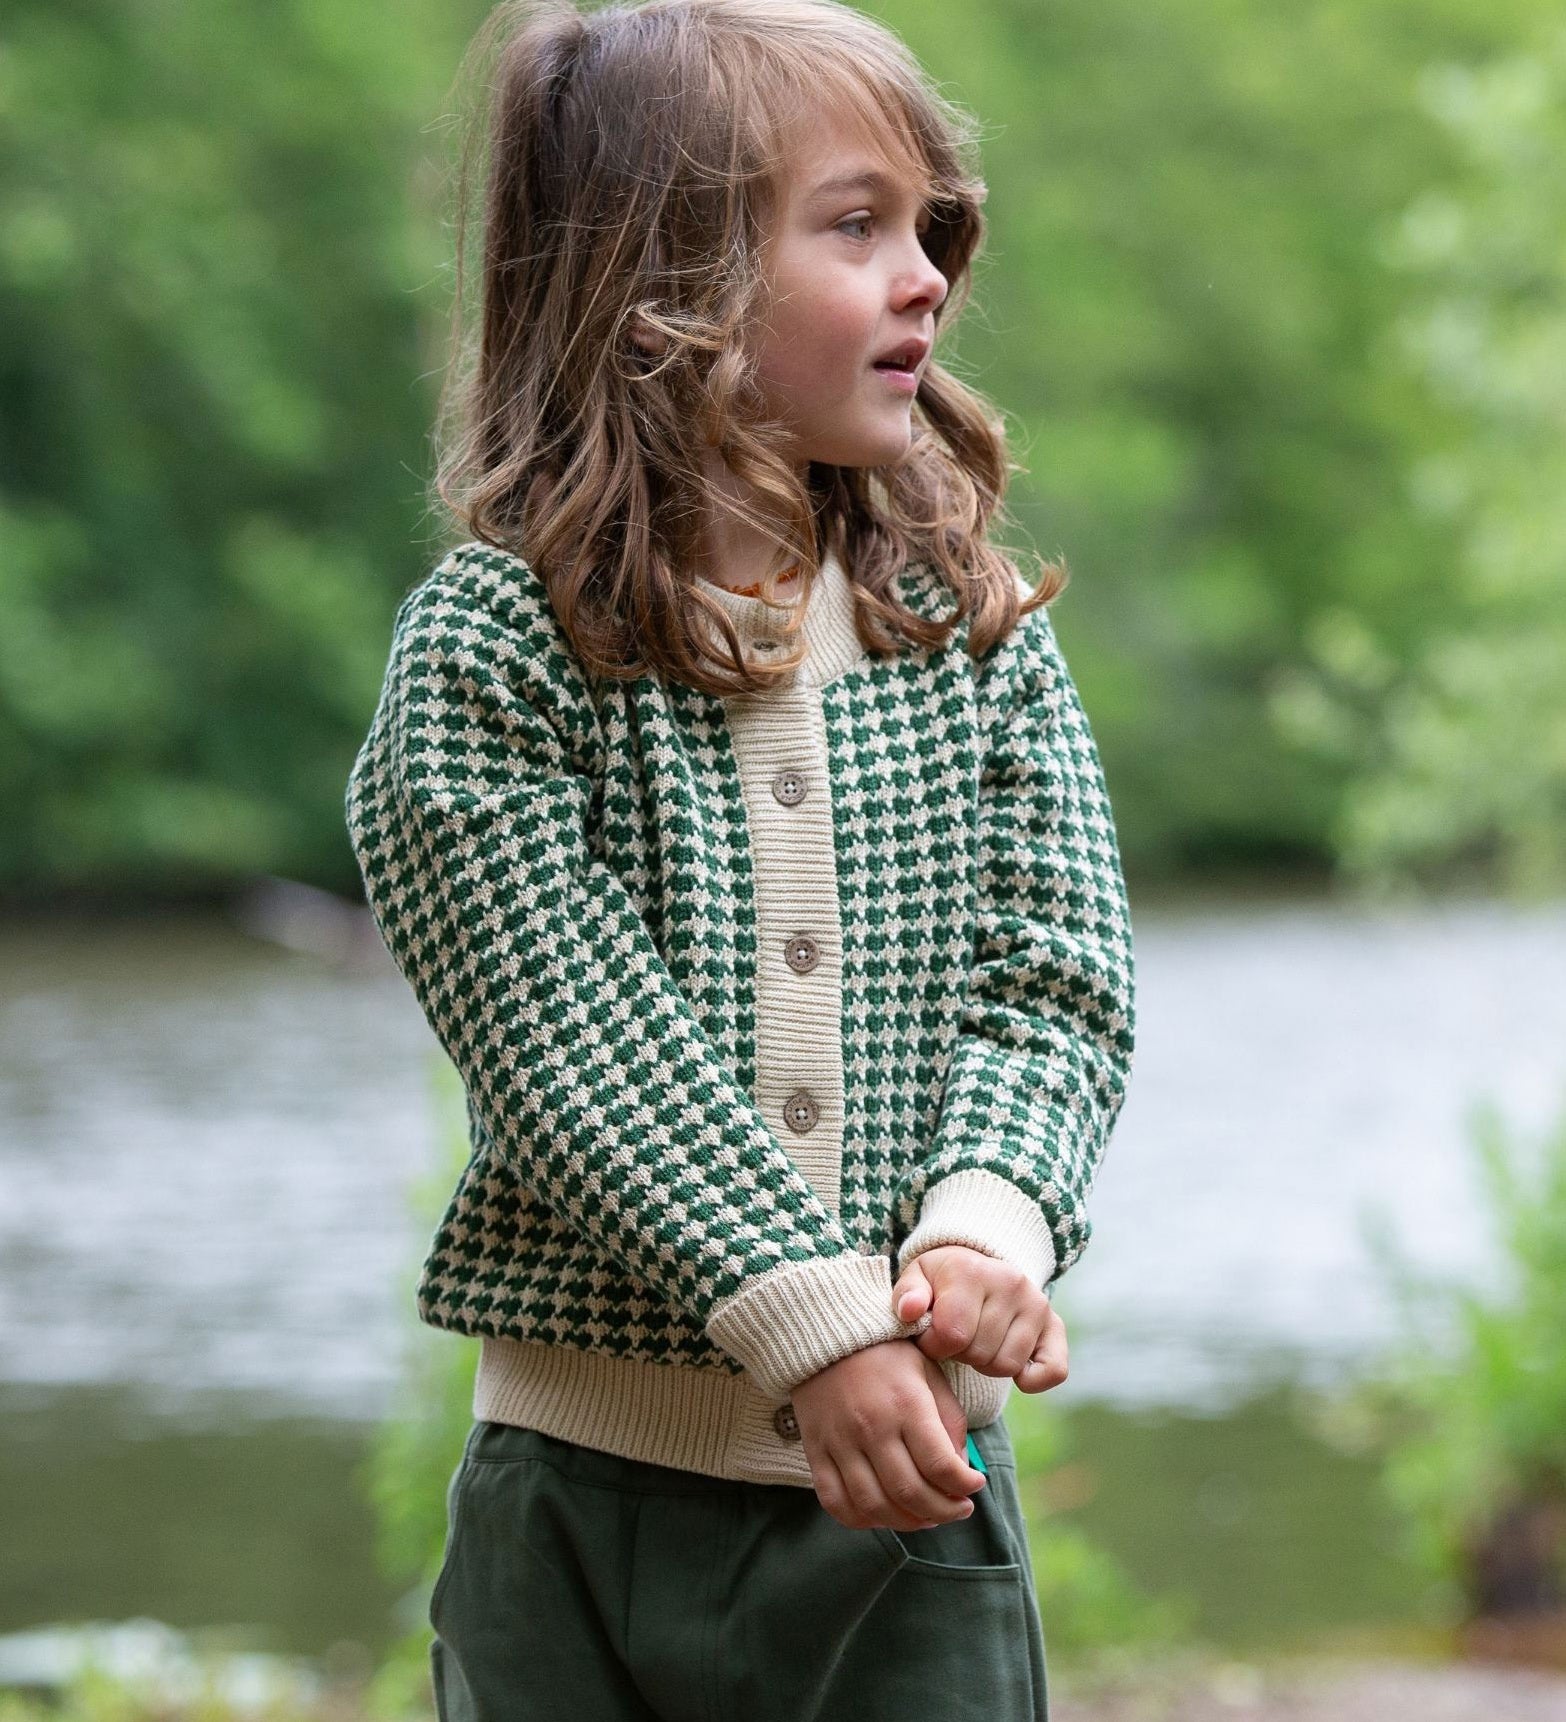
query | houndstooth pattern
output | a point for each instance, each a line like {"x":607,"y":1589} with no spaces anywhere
{"x":562,"y":871}
{"x":1047,"y":1030}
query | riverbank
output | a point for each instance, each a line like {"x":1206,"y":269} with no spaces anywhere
{"x":1193,"y":1688}
{"x":146,"y":1672}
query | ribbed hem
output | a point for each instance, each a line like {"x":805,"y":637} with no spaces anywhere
{"x":702,"y":1420}
{"x":789,"y":1323}
{"x":989,"y":1213}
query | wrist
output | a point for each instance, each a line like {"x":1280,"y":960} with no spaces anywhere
{"x":988,"y":1214}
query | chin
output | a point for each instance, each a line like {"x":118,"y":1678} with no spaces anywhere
{"x":882,"y":450}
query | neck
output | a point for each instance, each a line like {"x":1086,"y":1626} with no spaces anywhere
{"x":735,"y":553}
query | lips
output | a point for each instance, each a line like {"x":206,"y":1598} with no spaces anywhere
{"x":906,"y":356}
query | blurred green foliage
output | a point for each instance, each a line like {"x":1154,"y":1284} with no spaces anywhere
{"x":415,"y":1451}
{"x":1095,"y":1618}
{"x":1460,"y":739}
{"x":214,"y":228}
{"x":1272,"y":303}
{"x":1470,"y":1407}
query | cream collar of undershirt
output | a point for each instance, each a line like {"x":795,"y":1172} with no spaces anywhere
{"x":832,"y":642}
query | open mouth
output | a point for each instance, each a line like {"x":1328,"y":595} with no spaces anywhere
{"x":902,"y":378}
{"x":903,"y":358}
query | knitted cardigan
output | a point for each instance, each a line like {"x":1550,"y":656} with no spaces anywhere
{"x":753,"y":998}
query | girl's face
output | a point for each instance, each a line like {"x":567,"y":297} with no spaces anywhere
{"x":849,"y":282}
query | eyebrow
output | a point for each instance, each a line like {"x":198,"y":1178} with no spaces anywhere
{"x":865,"y":179}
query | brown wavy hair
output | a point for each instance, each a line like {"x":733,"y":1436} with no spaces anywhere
{"x":633,"y":158}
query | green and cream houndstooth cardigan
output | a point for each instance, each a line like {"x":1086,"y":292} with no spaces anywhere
{"x":753,"y":999}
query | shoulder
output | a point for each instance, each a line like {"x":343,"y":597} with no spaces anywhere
{"x":490,"y":593}
{"x":477,"y":641}
{"x":481,"y":606}
{"x":1024,"y":661}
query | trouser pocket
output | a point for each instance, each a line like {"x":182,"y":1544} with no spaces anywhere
{"x":827,"y":1623}
{"x":987,"y":1540}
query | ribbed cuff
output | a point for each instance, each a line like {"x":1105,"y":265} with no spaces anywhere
{"x":792,"y":1322}
{"x":986,"y":1212}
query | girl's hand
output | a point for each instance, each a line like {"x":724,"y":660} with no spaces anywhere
{"x":986,"y":1313}
{"x":886,"y":1440}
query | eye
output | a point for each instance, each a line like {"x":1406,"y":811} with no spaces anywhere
{"x":922,"y":230}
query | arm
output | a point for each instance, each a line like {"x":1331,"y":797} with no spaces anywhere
{"x":1043,"y":1056}
{"x":467,"y":808}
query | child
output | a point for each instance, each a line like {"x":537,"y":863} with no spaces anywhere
{"x":732,"y":814}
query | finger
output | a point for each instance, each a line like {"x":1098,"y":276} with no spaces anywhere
{"x":830,"y":1491}
{"x":996,"y":1315}
{"x":1048,"y":1366}
{"x":911,"y":1295}
{"x":955,"y":1321}
{"x":911,"y":1501}
{"x":1024,"y":1337}
{"x":940,"y":1459}
{"x":954,"y":1420}
{"x":866,"y":1501}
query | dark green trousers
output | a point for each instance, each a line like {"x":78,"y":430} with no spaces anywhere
{"x":584,"y":1587}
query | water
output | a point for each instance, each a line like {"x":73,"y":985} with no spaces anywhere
{"x":210,"y":1153}
{"x":206,"y":1151}
{"x":1304,"y":1074}
{"x":113,"y":1512}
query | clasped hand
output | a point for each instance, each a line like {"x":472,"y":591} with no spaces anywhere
{"x":987,"y":1313}
{"x":882,"y":1429}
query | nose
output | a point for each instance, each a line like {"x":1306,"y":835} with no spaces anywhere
{"x":924,"y":283}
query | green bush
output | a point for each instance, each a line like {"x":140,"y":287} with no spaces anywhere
{"x":1470,"y":1409}
{"x":416,"y":1450}
{"x":1456,"y":740}
{"x":1095,"y":1618}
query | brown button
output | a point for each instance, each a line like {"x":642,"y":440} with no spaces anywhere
{"x":785,"y":1422}
{"x":801,"y":1111}
{"x":789,"y":787}
{"x":802,"y":953}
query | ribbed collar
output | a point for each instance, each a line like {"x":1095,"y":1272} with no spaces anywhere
{"x":832,"y":642}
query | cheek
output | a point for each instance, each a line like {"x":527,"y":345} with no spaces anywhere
{"x":818,"y":339}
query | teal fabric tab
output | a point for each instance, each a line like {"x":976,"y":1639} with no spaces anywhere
{"x":975,"y":1457}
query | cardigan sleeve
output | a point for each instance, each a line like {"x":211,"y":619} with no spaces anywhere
{"x":467,"y":809}
{"x":1044,"y":1048}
